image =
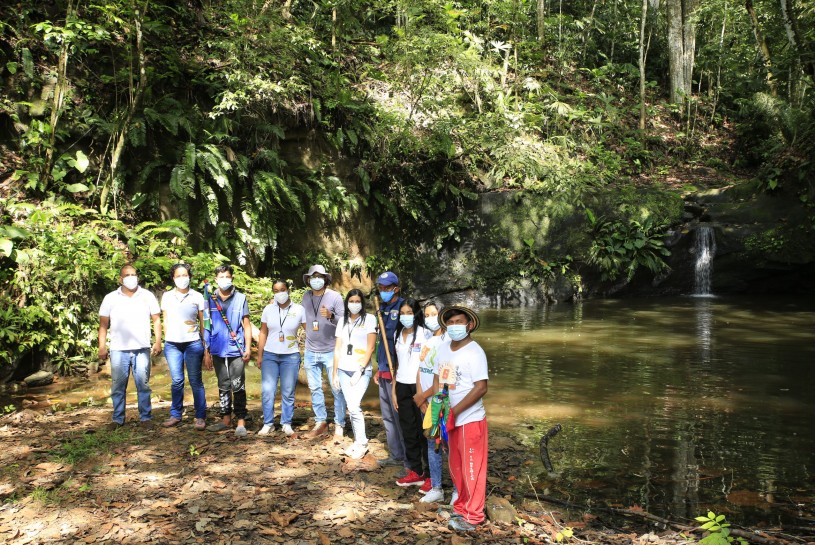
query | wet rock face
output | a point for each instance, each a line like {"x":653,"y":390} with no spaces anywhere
{"x":40,"y":378}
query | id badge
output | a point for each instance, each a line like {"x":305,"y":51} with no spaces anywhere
{"x":315,"y":325}
{"x":281,"y":337}
{"x":350,"y":349}
{"x":447,"y":374}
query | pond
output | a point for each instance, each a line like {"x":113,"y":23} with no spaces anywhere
{"x":674,"y":405}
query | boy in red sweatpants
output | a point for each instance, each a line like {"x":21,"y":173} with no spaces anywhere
{"x":462,"y":366}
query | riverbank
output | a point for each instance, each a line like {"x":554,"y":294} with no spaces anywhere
{"x":67,"y":479}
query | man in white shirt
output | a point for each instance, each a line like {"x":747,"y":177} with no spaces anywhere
{"x":127,"y":313}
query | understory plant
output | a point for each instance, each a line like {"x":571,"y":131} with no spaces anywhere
{"x":620,"y":247}
{"x":718,"y":530}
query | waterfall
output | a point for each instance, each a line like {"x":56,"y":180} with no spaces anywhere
{"x":704,"y":246}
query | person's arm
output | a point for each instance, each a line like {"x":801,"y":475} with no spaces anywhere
{"x":247,"y":337}
{"x":420,"y":399}
{"x":479,"y":390}
{"x":264,"y":334}
{"x":370,"y":351}
{"x":337,"y":349}
{"x":104,"y":324}
{"x":157,"y":332}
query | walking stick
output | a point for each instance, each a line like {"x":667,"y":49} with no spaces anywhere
{"x":387,"y":352}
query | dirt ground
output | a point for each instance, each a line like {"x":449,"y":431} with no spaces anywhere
{"x":65,"y":478}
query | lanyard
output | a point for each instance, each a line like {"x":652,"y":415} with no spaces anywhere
{"x":315,"y":307}
{"x":351,"y":328}
{"x":280,"y":313}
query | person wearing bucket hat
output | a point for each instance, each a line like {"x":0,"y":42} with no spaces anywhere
{"x":461,"y":365}
{"x":324,"y":308}
{"x":387,"y":284}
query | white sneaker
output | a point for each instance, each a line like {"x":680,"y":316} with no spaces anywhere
{"x":339,"y":432}
{"x":266,"y":429}
{"x":454,"y":498}
{"x":287,"y":429}
{"x":435,"y":495}
{"x":356,"y":451}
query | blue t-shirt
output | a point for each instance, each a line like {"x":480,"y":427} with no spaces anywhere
{"x":390,"y":317}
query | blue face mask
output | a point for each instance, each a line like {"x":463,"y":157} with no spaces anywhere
{"x":407,"y":321}
{"x":457,"y":332}
{"x":386,"y":296}
{"x":316,"y":283}
{"x":432,"y":322}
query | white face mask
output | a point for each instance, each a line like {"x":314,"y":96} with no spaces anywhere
{"x":224,"y":283}
{"x":281,"y":297}
{"x":432,"y":322}
{"x":182,"y":282}
{"x":316,"y":283}
{"x":130,"y":282}
{"x":354,"y":308}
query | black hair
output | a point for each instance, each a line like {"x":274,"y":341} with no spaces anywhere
{"x":456,"y":312}
{"x":127,"y":265}
{"x":439,"y":310}
{"x":180,"y":266}
{"x":280,"y":281}
{"x":347,"y":297}
{"x":418,"y":317}
{"x":224,"y":268}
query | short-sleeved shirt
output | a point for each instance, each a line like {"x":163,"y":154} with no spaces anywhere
{"x":285,"y":320}
{"x":354,"y":333}
{"x":181,"y":310}
{"x":408,"y":351}
{"x":323,"y":339}
{"x":466,"y":366}
{"x":130,"y":318}
{"x":426,"y":365}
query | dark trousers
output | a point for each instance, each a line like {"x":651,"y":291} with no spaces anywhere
{"x":410,"y":420}
{"x":231,"y":383}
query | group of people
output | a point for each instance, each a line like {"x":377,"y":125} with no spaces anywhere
{"x":421,"y":350}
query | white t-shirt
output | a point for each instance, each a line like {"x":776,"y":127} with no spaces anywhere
{"x":287,"y":322}
{"x":354,"y":333}
{"x":181,"y":323}
{"x":427,"y":366}
{"x":130,"y":318}
{"x":465,"y":367}
{"x":407,"y":354}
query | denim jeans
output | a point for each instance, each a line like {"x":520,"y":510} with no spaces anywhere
{"x":434,"y":460}
{"x":353,"y":397}
{"x":315,"y":363}
{"x":285,"y":368}
{"x":121,"y":361}
{"x":390,"y":420}
{"x":179,"y":356}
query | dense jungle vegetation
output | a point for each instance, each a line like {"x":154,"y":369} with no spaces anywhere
{"x":252,"y":130}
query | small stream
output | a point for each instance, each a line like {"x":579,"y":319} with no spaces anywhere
{"x":676,"y":405}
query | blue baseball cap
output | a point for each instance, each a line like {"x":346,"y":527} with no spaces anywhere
{"x":387,"y":279}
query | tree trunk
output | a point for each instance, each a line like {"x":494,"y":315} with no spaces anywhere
{"x":761,"y":43}
{"x":681,"y":47}
{"x":794,"y":37}
{"x":541,"y":16}
{"x":642,"y":64}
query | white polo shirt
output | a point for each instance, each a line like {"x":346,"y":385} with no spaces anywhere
{"x":181,"y":312}
{"x":354,"y":334}
{"x":408,"y":353}
{"x":285,"y":320}
{"x":130,"y":318}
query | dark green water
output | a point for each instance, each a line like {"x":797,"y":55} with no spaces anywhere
{"x":676,"y":405}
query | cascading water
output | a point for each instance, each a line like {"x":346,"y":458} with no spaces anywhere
{"x":704,"y":247}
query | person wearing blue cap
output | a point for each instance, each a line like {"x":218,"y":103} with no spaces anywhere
{"x":387,"y":284}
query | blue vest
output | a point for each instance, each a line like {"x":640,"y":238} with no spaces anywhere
{"x":217,"y":337}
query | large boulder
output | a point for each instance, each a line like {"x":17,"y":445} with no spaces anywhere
{"x":40,"y":378}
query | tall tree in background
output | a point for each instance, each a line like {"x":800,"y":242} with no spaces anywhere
{"x":681,"y":46}
{"x":763,"y":48}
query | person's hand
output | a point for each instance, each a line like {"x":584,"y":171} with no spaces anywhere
{"x":156,"y":348}
{"x":335,"y":381}
{"x":418,"y":399}
{"x":424,"y":406}
{"x":207,"y":361}
{"x":246,"y":355}
{"x":259,"y":362}
{"x":376,"y":379}
{"x":103,"y":353}
{"x":356,"y":376}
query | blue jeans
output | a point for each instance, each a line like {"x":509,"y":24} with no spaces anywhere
{"x":189,"y":355}
{"x":121,"y":361}
{"x":285,"y":368}
{"x":434,"y":460}
{"x":315,"y":363}
{"x":353,"y":397}
{"x":390,"y":420}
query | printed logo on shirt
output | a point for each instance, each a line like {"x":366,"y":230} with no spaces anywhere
{"x":394,"y":314}
{"x":448,"y":374}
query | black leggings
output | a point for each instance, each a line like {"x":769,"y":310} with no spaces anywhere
{"x":410,"y":419}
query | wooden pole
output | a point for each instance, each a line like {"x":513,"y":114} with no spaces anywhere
{"x":384,"y":333}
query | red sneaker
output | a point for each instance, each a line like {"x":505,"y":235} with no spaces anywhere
{"x":426,"y":487}
{"x":411,"y":479}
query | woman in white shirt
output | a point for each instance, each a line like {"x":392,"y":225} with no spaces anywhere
{"x":356,"y":337}
{"x":183,"y":310}
{"x":279,"y":359}
{"x":410,"y":338}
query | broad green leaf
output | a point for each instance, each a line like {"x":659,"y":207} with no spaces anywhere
{"x":76,"y":188}
{"x":82,"y":161}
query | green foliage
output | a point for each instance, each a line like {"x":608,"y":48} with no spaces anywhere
{"x":620,"y":247}
{"x":91,"y":445}
{"x":718,"y":530}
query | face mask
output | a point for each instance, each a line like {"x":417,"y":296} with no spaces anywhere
{"x":182,"y":282}
{"x":281,"y":297}
{"x":407,"y":321}
{"x":130,"y":282}
{"x":457,"y":332}
{"x":386,"y":296}
{"x":224,"y":283}
{"x":316,"y":283}
{"x":432,"y":323}
{"x":354,"y":308}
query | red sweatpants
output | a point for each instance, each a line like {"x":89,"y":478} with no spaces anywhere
{"x":468,"y":469}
